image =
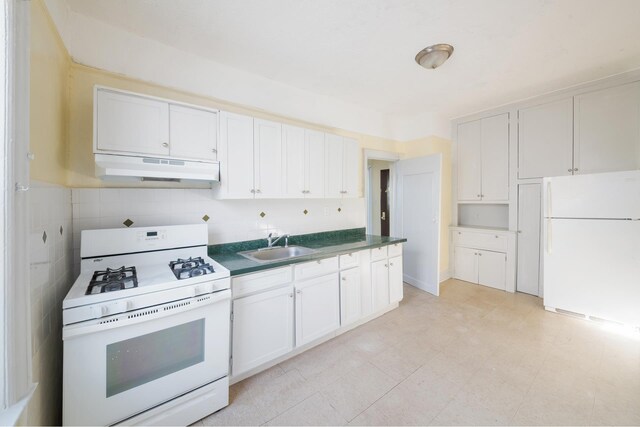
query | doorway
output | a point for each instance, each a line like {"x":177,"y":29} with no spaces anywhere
{"x":380,"y":191}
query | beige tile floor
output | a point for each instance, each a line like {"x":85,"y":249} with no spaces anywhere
{"x":473,"y":356}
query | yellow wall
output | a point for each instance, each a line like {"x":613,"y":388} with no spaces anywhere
{"x":49,"y":98}
{"x":424,"y":147}
{"x":82,"y":81}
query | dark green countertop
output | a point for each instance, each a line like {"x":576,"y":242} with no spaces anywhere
{"x":326,"y":244}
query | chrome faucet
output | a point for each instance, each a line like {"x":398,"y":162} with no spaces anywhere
{"x":271,"y":241}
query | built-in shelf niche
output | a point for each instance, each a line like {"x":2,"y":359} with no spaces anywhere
{"x":483,"y":215}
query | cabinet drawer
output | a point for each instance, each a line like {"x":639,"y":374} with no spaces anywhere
{"x":350,"y":260}
{"x":394,"y":250}
{"x":315,"y":268}
{"x":482,"y":240}
{"x":378,"y":253}
{"x":256,"y":282}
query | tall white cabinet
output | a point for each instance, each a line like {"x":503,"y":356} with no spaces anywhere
{"x":483,"y":159}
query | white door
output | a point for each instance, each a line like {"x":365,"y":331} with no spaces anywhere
{"x":131,"y":124}
{"x":529,"y":234}
{"x":293,"y":151}
{"x":236,"y":156}
{"x":492,"y":268}
{"x":351,"y":168}
{"x":417,"y":218}
{"x":469,"y":160}
{"x":545,"y":139}
{"x":395,"y":279}
{"x":262,"y":328}
{"x":334,"y":154}
{"x":193,"y":133}
{"x":317,"y":308}
{"x":314,"y":164}
{"x":465,"y":264}
{"x":267,"y":152}
{"x":607,"y":130}
{"x":350,"y":296}
{"x":495,"y":158}
{"x":380,"y":284}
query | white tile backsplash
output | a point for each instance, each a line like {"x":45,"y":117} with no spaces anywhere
{"x":51,"y":276}
{"x":230,"y":220}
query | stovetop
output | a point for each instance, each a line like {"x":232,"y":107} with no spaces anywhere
{"x":142,"y":273}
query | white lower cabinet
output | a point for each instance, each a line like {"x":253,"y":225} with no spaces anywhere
{"x":317,"y":308}
{"x":395,"y":279}
{"x":486,"y":268}
{"x":350,"y":296}
{"x":380,"y":284}
{"x":262,"y":328}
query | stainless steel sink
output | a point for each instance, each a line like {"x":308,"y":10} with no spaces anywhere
{"x":276,"y":253}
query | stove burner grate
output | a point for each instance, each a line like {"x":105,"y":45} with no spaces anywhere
{"x":191,"y":267}
{"x":112,"y":279}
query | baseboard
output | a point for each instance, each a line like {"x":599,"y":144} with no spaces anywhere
{"x":444,"y":275}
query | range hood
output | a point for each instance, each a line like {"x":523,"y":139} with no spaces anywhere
{"x":112,"y":166}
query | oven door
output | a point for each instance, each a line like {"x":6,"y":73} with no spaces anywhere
{"x":119,"y":366}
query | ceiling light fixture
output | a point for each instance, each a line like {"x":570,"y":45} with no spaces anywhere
{"x":434,"y":56}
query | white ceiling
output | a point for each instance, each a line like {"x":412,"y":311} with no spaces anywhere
{"x":361,"y":51}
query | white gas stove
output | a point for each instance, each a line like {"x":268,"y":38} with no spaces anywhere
{"x":146,"y":328}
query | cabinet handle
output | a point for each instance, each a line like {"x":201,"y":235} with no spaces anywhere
{"x":575,"y":169}
{"x":350,"y":254}
{"x":479,"y":253}
{"x":258,"y":191}
{"x":569,"y":170}
{"x":304,"y":192}
{"x":344,"y":279}
{"x":391,"y":264}
{"x":298,"y":291}
{"x":319,"y":261}
{"x":308,"y":191}
{"x":165,"y":144}
{"x":386,"y":265}
{"x":290,"y":295}
{"x":213,"y":150}
{"x":253,"y":191}
{"x":482,"y":195}
{"x":478,"y":195}
{"x":497,"y":236}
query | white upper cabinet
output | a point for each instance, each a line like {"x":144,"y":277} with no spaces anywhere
{"x":545,"y":139}
{"x":293,"y":146}
{"x":131,"y":124}
{"x":314,"y":162}
{"x":193,"y":133}
{"x":607,"y":130}
{"x":483,"y":159}
{"x":236,"y":156}
{"x":342,"y":158}
{"x":303,"y":152}
{"x":495,"y":158}
{"x":267,"y":152}
{"x":127,"y":123}
{"x":469,"y":140}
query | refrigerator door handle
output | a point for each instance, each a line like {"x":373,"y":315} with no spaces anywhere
{"x":549,"y":235}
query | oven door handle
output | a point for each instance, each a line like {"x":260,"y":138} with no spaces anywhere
{"x":146,"y":314}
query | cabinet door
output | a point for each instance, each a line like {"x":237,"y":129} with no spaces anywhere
{"x":314,"y":164}
{"x":466,"y":264}
{"x":351,"y":168}
{"x":267,"y":152}
{"x":469,"y":151}
{"x":545,"y":139}
{"x":293,"y":150}
{"x":317,"y":308}
{"x":128,"y":123}
{"x":236,"y":156}
{"x":495,"y":158}
{"x":492,"y":268}
{"x":380,"y":284}
{"x":529,"y":215}
{"x":607,"y":130}
{"x":395,"y":279}
{"x":365,"y":282}
{"x":334,"y":154}
{"x":262,"y":328}
{"x":350,"y":296}
{"x":193,"y":133}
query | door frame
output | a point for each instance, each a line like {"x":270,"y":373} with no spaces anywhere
{"x":390,"y":157}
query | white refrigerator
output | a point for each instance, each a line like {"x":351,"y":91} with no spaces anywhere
{"x":592,"y":245}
